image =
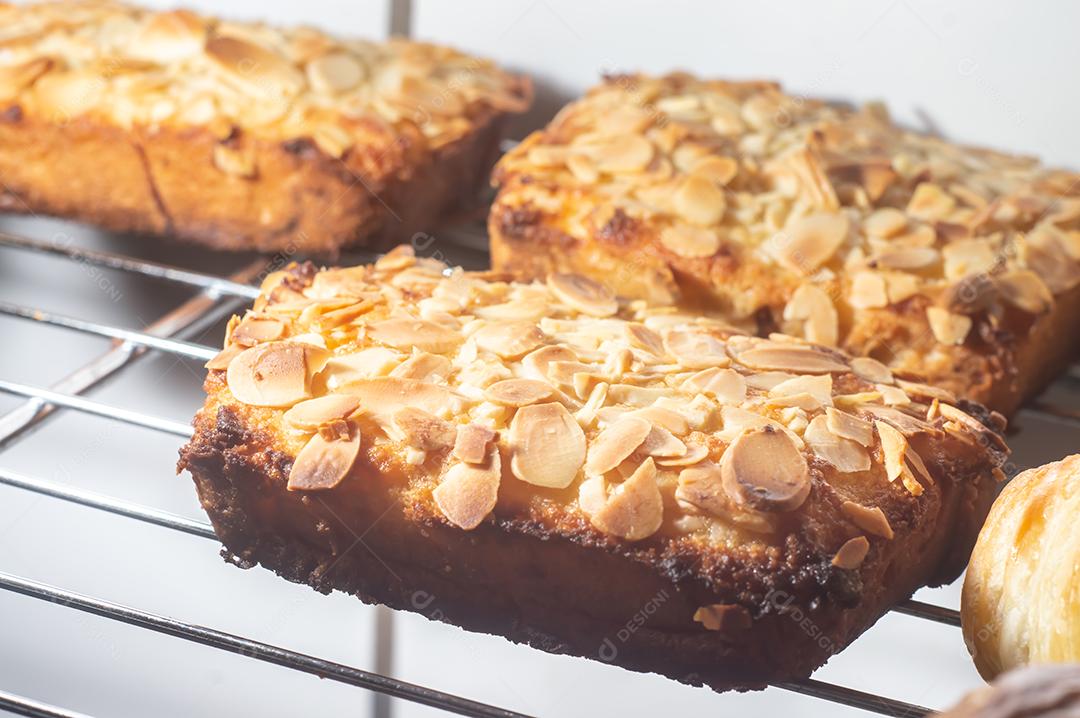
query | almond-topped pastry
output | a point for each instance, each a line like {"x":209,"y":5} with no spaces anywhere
{"x":545,"y":459}
{"x":239,"y":135}
{"x":782,"y":213}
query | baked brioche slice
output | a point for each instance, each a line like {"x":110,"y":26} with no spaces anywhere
{"x":238,"y":135}
{"x":547,"y":461}
{"x":790,"y":214}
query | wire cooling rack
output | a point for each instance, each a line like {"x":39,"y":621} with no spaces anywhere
{"x":216,"y":298}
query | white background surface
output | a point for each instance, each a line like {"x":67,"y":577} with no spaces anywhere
{"x":990,"y":72}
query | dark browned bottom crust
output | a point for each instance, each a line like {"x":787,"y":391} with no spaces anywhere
{"x":1000,"y":370}
{"x":300,"y":200}
{"x":559,"y":595}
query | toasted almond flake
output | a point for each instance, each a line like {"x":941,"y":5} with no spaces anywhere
{"x":582,"y":168}
{"x":918,"y":466}
{"x":726,"y":385}
{"x":467,"y":493}
{"x":509,"y":340}
{"x":254,"y":330}
{"x":615,"y":443}
{"x":925,"y":391}
{"x":620,"y":153}
{"x":870,"y":520}
{"x":812,"y":305}
{"x":696,"y":349}
{"x":16,"y":78}
{"x":671,"y":420}
{"x":695,"y":453}
{"x":893,"y":446}
{"x":334,"y":73}
{"x":809,"y":242}
{"x":235,"y":160}
{"x":846,"y":455}
{"x":641,"y":337}
{"x":886,"y":222}
{"x":930,"y":202}
{"x":967,"y":257}
{"x":852,"y":553}
{"x":661,"y":444}
{"x":547,"y":445}
{"x":900,"y":286}
{"x":536,"y":363}
{"x":632,"y":511}
{"x":871,"y":370}
{"x":849,"y":427}
{"x":224,"y":357}
{"x":323,"y":464}
{"x":311,"y":414}
{"x":274,"y":373}
{"x":906,"y":258}
{"x":385,"y":395}
{"x":364,"y":364}
{"x":763,"y":469}
{"x":819,"y":387}
{"x":699,"y":201}
{"x":422,"y":430}
{"x":795,"y":358}
{"x":472,"y":441}
{"x":423,"y":367}
{"x":724,"y":617}
{"x":689,"y":241}
{"x":519,"y":392}
{"x":948,"y":328}
{"x":406,"y":333}
{"x":718,"y":169}
{"x":583,"y":294}
{"x":868,"y":291}
{"x":893,"y":395}
{"x":905,"y":423}
{"x":1024,"y":289}
{"x":260,"y":72}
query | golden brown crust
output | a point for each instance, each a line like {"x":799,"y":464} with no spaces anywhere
{"x":787,"y":213}
{"x":168,"y":137}
{"x":617,"y":540}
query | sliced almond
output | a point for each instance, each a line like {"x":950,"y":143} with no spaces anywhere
{"x":519,"y":392}
{"x":699,"y":201}
{"x":274,"y":373}
{"x":620,"y":153}
{"x":718,"y":169}
{"x":1024,"y":289}
{"x":870,"y":520}
{"x":323,"y":464}
{"x":893,"y":446}
{"x":794,"y":358}
{"x":615,"y":444}
{"x":405,"y":333}
{"x":852,"y":553}
{"x":641,"y":337}
{"x":948,"y":328}
{"x":726,"y":385}
{"x":538,"y":361}
{"x":930,"y":202}
{"x":689,"y":241}
{"x":468,"y":493}
{"x":509,"y":340}
{"x":695,"y":453}
{"x":364,"y":364}
{"x":812,"y":305}
{"x":632,"y":511}
{"x":724,"y":617}
{"x":224,"y":357}
{"x":661,"y":444}
{"x":422,"y":430}
{"x":260,"y":72}
{"x":868,"y":291}
{"x":16,"y":78}
{"x":334,"y":73}
{"x":547,"y":445}
{"x":385,"y":395}
{"x":967,"y":257}
{"x":472,"y":442}
{"x":818,"y":387}
{"x":764,"y":470}
{"x":673,"y":421}
{"x":886,"y":222}
{"x":696,"y":349}
{"x":311,"y":414}
{"x":846,"y":455}
{"x":850,"y":427}
{"x":906,"y":258}
{"x":809,"y":242}
{"x":871,"y":370}
{"x":583,"y":294}
{"x":423,"y":367}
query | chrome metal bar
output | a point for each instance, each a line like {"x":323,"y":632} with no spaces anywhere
{"x":174,"y":346}
{"x":112,"y":505}
{"x":130,"y":264}
{"x":254,"y":649}
{"x":89,"y":406}
{"x":201,"y":310}
{"x":929,"y":612}
{"x":855,"y":698}
{"x":20,"y":706}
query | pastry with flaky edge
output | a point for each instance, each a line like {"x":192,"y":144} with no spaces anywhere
{"x":789,"y":214}
{"x":584,"y":474}
{"x":1033,"y":692}
{"x":238,"y":135}
{"x":1021,"y":600}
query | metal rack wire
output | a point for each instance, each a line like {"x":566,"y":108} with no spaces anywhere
{"x":217,"y":297}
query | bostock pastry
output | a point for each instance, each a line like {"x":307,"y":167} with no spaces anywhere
{"x":545,"y":459}
{"x":239,"y":135}
{"x":783,"y":213}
